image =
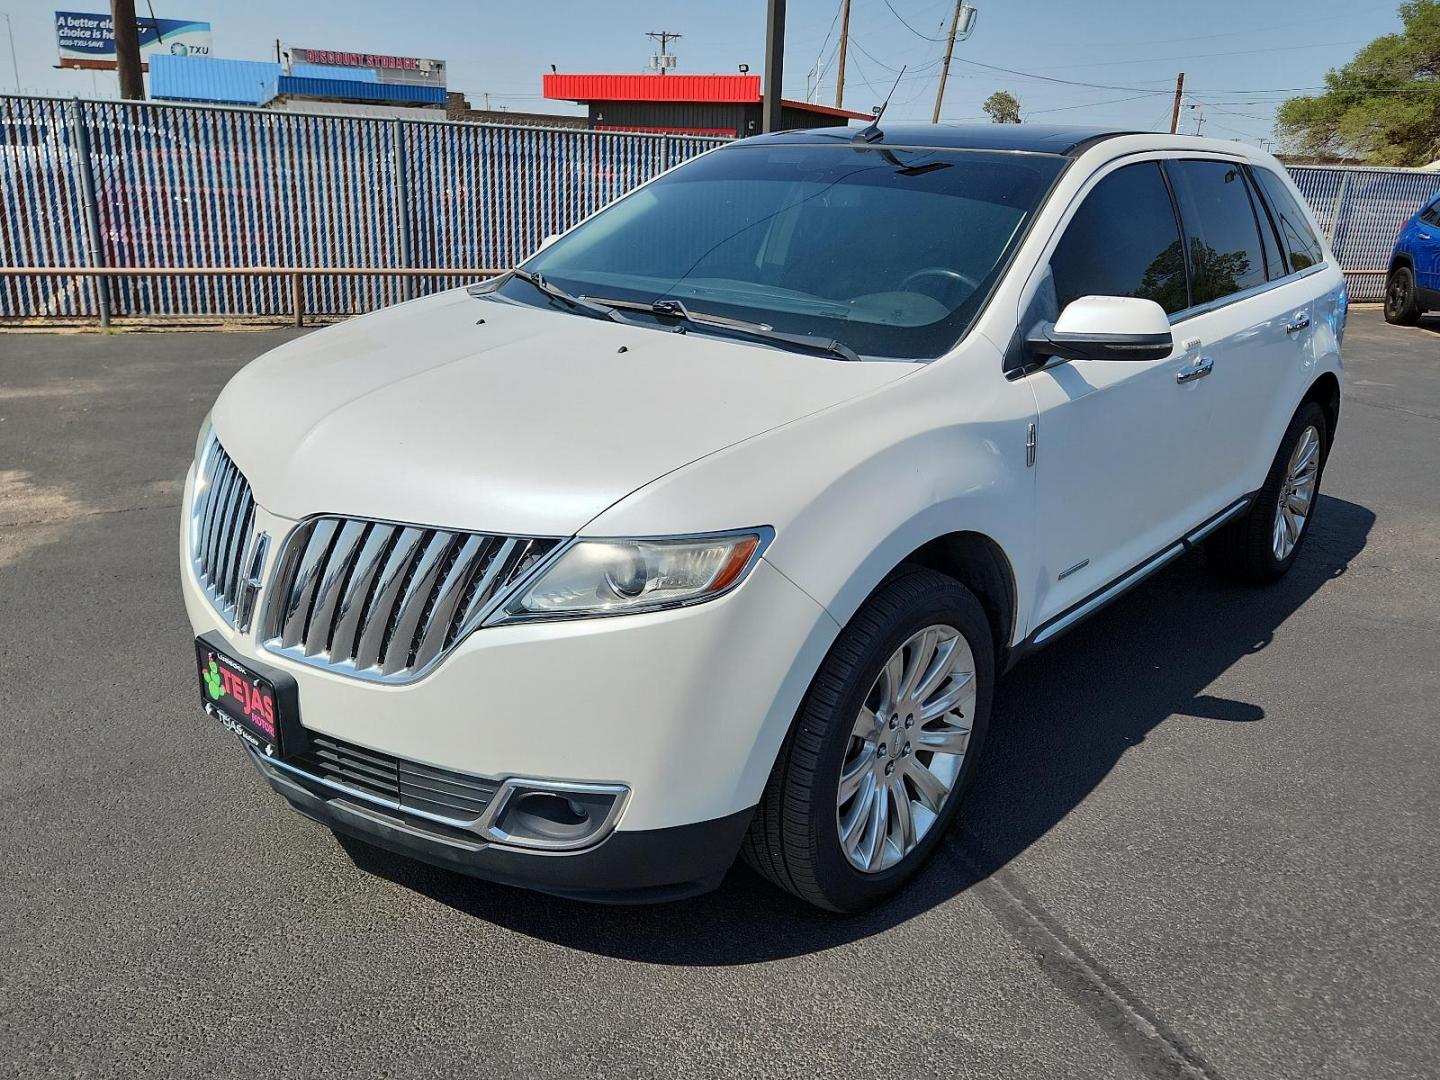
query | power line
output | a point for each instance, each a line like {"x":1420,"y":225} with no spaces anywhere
{"x":1204,"y":56}
{"x":917,"y":33}
{"x":894,"y":70}
{"x":1087,"y":105}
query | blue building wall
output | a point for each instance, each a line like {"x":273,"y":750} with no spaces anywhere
{"x":199,"y":78}
{"x":395,"y":93}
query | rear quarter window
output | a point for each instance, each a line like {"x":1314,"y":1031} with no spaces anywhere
{"x":1302,"y":246}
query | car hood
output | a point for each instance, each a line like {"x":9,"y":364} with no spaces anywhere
{"x":495,"y":417}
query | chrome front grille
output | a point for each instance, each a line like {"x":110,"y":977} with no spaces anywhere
{"x":226,"y":550}
{"x":384,"y":601}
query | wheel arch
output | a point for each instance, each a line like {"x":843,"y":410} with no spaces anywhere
{"x":979,"y":563}
{"x":1325,"y":392}
{"x":1401,"y":258}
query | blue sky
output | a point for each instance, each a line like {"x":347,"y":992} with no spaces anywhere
{"x":1235,"y":53}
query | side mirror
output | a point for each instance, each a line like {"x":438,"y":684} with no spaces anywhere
{"x":1105,"y":328}
{"x":548,"y":241}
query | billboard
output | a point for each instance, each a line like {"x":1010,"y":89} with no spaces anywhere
{"x":87,"y":40}
{"x":373,"y":67}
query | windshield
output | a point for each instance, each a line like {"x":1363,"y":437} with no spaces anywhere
{"x":891,"y":252}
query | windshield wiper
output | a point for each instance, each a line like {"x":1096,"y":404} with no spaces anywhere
{"x":674,"y":309}
{"x":554,"y":292}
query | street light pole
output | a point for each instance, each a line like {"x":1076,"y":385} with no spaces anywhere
{"x":14,"y":64}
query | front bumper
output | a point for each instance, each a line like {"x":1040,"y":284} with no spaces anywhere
{"x":628,"y":867}
{"x":684,"y":708}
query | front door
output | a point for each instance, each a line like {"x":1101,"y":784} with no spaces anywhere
{"x":1116,"y":440}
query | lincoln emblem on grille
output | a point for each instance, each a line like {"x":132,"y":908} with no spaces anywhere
{"x":254,"y":565}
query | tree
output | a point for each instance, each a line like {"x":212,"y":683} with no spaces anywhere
{"x":1383,"y":106}
{"x":1003,"y":107}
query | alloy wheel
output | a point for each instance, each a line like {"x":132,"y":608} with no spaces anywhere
{"x":1297,"y":493}
{"x":1397,"y":295}
{"x":906,"y":748}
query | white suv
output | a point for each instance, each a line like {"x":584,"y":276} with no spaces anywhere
{"x":710,"y":529}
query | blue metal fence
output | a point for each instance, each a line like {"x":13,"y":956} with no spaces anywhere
{"x":1361,"y":211}
{"x":231,"y":187}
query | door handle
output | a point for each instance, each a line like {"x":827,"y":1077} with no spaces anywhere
{"x":1301,"y":322}
{"x":1197,"y":370}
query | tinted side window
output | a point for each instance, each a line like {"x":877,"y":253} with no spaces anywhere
{"x":1301,"y":244}
{"x":1276,"y":264}
{"x":1221,"y":233}
{"x":1123,"y":241}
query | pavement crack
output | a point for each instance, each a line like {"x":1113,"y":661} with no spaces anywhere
{"x":25,"y":522}
{"x":1156,"y":1050}
{"x":1351,"y":399}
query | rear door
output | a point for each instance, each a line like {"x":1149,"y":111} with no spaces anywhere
{"x":1250,"y":316}
{"x":1115,"y":439}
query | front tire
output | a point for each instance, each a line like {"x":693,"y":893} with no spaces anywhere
{"x":1402,"y":300}
{"x":882,"y":749}
{"x":1261,"y":546}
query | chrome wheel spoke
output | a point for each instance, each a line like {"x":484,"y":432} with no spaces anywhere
{"x":855,"y":774}
{"x":905,"y":838}
{"x":937,"y":671}
{"x":950,"y":739}
{"x":1297,"y":494}
{"x":930,"y":789}
{"x":917,"y":707}
{"x":961,"y":686}
{"x":918,"y":663}
{"x":878,"y":829}
{"x":852,"y":823}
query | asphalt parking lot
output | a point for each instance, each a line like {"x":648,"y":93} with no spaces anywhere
{"x":1205,"y":842}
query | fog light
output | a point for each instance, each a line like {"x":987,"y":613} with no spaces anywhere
{"x":555,"y":815}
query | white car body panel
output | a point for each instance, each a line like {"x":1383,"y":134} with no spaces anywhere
{"x":529,"y":424}
{"x":547,"y":424}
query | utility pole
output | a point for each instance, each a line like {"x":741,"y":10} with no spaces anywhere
{"x":1199,"y":121}
{"x":771,"y":108}
{"x":945,"y":67}
{"x":1175,"y":109}
{"x":844,"y":41}
{"x":664,"y":37}
{"x":127,"y":49}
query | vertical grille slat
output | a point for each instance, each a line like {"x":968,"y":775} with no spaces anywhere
{"x":396,"y":652}
{"x":222,"y":527}
{"x":449,"y":591}
{"x":357,"y":591}
{"x":307,"y":575}
{"x":384,"y":601}
{"x":327,"y":598}
{"x":376,"y":618}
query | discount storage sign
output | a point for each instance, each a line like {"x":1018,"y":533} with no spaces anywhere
{"x":88,"y":40}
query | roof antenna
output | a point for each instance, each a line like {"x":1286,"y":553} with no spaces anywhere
{"x":872,"y":132}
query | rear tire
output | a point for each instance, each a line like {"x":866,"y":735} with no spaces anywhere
{"x":920,"y":645}
{"x":1261,"y":546}
{"x":1402,"y":299}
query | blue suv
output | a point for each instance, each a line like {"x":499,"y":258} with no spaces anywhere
{"x":1413,"y":286}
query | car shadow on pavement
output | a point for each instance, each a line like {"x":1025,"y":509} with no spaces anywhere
{"x":1062,"y":721}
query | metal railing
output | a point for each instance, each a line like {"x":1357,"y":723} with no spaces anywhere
{"x":148,"y":209}
{"x":1361,"y":211}
{"x":128,"y":208}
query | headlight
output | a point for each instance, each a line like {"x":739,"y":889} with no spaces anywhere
{"x":619,"y":577}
